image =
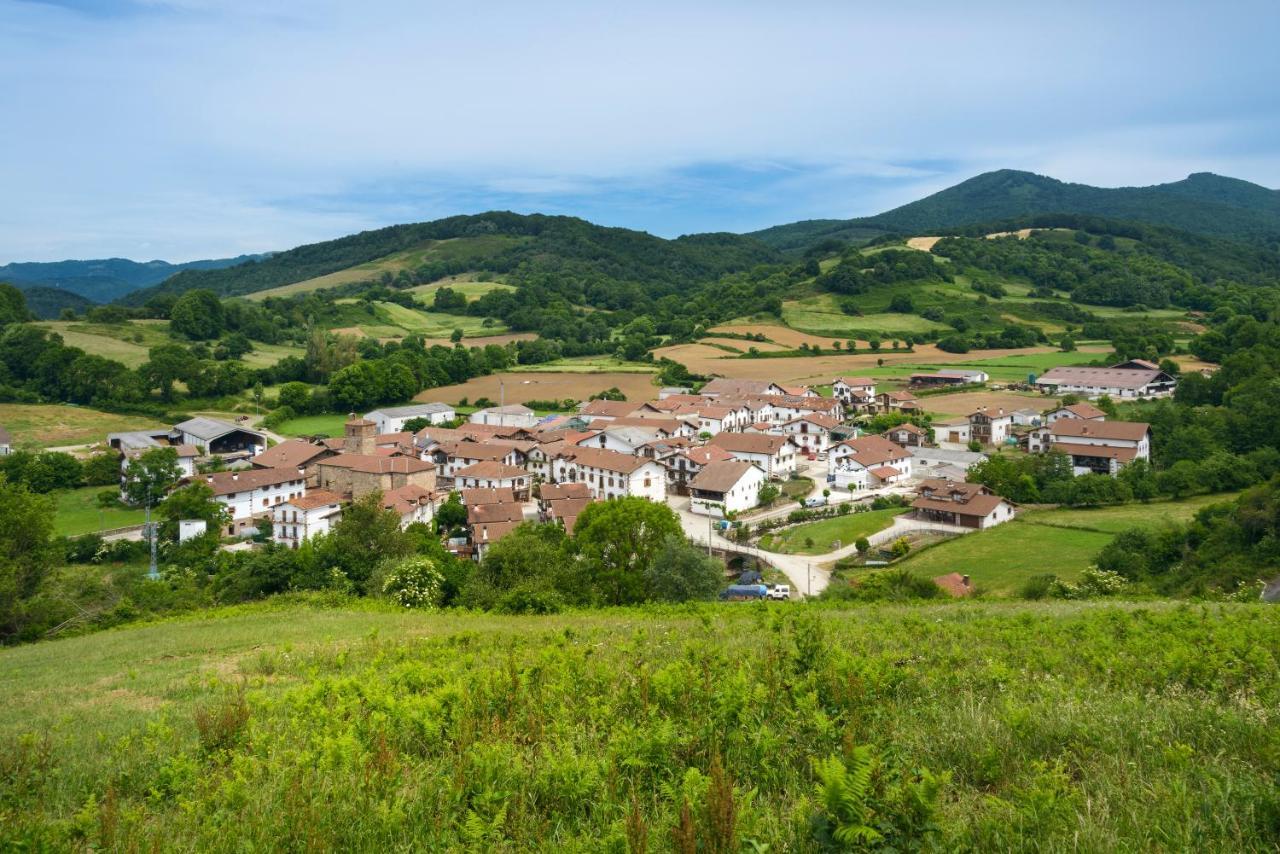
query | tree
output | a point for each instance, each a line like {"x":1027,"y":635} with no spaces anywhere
{"x":13,"y":305}
{"x":149,"y":476}
{"x":456,"y":336}
{"x":530,"y":569}
{"x":26,"y":551}
{"x":365,"y":534}
{"x":414,"y":582}
{"x":682,"y":572}
{"x":194,"y":501}
{"x":863,"y":545}
{"x":768,"y":492}
{"x":451,"y":514}
{"x":619,"y":539}
{"x":53,"y":470}
{"x":166,"y":365}
{"x":197,"y":315}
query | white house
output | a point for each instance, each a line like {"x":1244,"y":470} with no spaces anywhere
{"x":1086,"y":411}
{"x":990,"y":426}
{"x":609,"y":474}
{"x":1103,"y":447}
{"x":739,"y":388}
{"x":725,"y":486}
{"x":492,"y":474}
{"x":298,"y":519}
{"x":393,"y":419}
{"x":511,"y":415}
{"x":867,"y":462}
{"x":854,"y":392}
{"x":253,"y":493}
{"x":775,"y":454}
{"x":411,"y":502}
{"x":624,"y":440}
{"x":953,"y":431}
{"x":811,"y":432}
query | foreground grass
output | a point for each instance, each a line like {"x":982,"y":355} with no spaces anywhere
{"x":1059,"y":542}
{"x":826,"y":532}
{"x":1063,"y":726}
{"x":77,"y":513}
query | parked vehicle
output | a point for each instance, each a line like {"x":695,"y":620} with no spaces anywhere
{"x":743,"y":592}
{"x":815,"y":501}
{"x":780,"y":591}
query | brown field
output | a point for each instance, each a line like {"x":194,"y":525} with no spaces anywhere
{"x":922,"y":243}
{"x":481,"y":341}
{"x":965,"y":402}
{"x":1191,"y":363}
{"x":521,"y":387}
{"x":779,"y":334}
{"x":702,"y":359}
{"x":743,"y":346}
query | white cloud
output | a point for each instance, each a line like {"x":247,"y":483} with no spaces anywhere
{"x":200,"y":127}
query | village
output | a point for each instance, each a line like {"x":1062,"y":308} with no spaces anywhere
{"x":733,"y":454}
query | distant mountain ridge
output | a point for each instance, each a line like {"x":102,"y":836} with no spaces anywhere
{"x":104,"y":279}
{"x":1202,"y":203}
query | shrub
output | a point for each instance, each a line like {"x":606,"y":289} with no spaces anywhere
{"x":414,"y":582}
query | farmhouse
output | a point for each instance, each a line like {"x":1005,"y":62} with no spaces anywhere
{"x":605,"y":410}
{"x":1133,"y":379}
{"x":683,"y":465}
{"x":609,"y":474}
{"x":253,"y":493}
{"x":953,"y":431}
{"x":1102,"y":447}
{"x":412,"y":503}
{"x":393,"y":419}
{"x":854,"y":392}
{"x":293,"y":454}
{"x":968,"y":505}
{"x":725,"y":486}
{"x":897,"y":401}
{"x":298,"y":519}
{"x":811,"y":433}
{"x":907,"y":435}
{"x":869,"y":461}
{"x":990,"y":426}
{"x":488,"y":523}
{"x":492,"y":474}
{"x":563,"y":502}
{"x":776,"y":455}
{"x":1086,"y":411}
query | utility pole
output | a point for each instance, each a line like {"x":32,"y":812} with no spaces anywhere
{"x":152,"y":572}
{"x":808,"y":579}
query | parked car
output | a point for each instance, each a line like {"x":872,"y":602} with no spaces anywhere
{"x":780,"y":591}
{"x":815,"y":501}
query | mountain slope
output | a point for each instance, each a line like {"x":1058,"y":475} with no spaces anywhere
{"x":47,"y":303}
{"x":1203,"y":203}
{"x":500,"y":242}
{"x":104,"y":279}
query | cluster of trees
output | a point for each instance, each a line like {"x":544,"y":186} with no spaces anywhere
{"x":1090,"y":275}
{"x":857,"y":273}
{"x":47,"y":471}
{"x":1228,"y":546}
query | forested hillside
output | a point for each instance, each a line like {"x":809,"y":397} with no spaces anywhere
{"x":534,"y":244}
{"x":1203,"y":204}
{"x":102,"y":280}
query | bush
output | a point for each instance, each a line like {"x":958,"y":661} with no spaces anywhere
{"x":1037,"y":587}
{"x":414,"y":582}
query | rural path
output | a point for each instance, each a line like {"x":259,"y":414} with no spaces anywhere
{"x":807,"y":573}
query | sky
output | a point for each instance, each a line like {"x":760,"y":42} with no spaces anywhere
{"x":185,"y":129}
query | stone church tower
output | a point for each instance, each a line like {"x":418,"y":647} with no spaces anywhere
{"x":359,"y":436}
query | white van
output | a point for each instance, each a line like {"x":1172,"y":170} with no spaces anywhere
{"x":780,"y":591}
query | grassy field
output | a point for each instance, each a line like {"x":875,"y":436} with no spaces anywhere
{"x":78,"y":513}
{"x":126,"y":342}
{"x":396,"y":321}
{"x":313,"y":425}
{"x":587,"y":365}
{"x":1058,"y":542}
{"x":436,"y":250}
{"x":54,"y":425}
{"x":1048,"y":727}
{"x":470,"y":289}
{"x":266,"y":355}
{"x":826,"y":532}
{"x":820,"y":315}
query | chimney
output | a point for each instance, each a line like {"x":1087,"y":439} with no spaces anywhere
{"x":208,"y":478}
{"x":235,"y":475}
{"x":964,"y":579}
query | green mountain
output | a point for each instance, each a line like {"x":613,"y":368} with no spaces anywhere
{"x":1203,"y":204}
{"x":47,"y":303}
{"x":104,"y":279}
{"x":498,"y":242}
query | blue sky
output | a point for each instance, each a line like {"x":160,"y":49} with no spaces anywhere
{"x":183,"y":129}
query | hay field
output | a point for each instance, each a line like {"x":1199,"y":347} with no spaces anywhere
{"x":55,"y":424}
{"x":548,"y":385}
{"x":778,"y":334}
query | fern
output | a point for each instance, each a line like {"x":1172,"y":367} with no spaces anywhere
{"x":845,"y":823}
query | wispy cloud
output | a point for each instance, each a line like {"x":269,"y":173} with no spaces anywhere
{"x":201,"y":127}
